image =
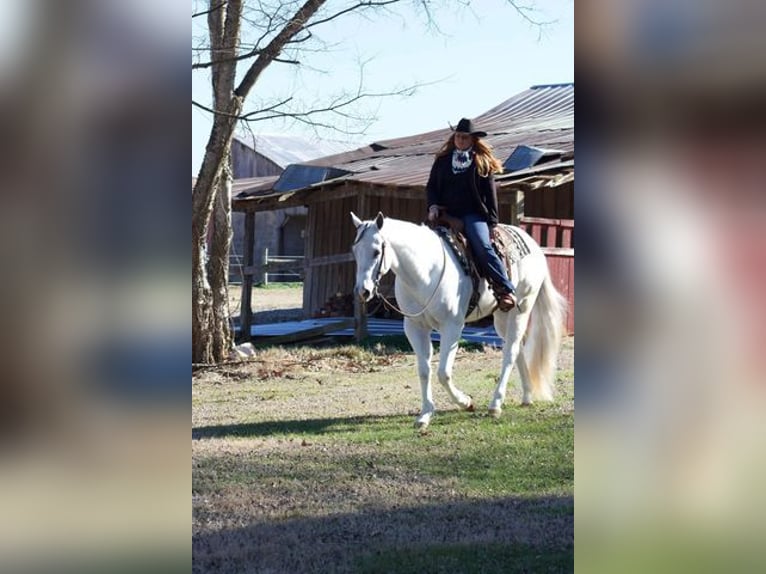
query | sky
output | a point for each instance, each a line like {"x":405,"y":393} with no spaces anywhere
{"x":477,"y":58}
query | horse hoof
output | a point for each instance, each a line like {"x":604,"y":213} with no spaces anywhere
{"x":470,"y":408}
{"x":422,"y":423}
{"x":495,"y":413}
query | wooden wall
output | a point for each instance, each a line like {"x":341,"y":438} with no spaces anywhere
{"x":555,"y":203}
{"x":556,"y":237}
{"x":330,"y":267}
{"x":246,"y":162}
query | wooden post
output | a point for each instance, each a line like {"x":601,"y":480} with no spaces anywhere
{"x":360,"y":319}
{"x":266,"y":266}
{"x":360,"y":309}
{"x":362,"y":204}
{"x":518,"y":207}
{"x":310,"y":304}
{"x":246,"y":311}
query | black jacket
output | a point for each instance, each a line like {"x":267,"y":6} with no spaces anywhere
{"x":461,"y":193}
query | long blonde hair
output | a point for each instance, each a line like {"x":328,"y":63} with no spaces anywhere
{"x":486,"y":162}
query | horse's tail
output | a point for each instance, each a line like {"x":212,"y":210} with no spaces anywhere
{"x":546,"y":331}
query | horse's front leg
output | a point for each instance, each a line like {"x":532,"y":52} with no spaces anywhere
{"x":511,"y":326}
{"x":420,"y":340}
{"x":448,"y":346}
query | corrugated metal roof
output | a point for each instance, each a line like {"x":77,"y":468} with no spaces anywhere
{"x":253,"y":184}
{"x":542,"y":116}
{"x":298,"y":176}
{"x":284,"y":150}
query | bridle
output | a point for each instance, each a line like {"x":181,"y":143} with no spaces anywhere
{"x":379,"y":275}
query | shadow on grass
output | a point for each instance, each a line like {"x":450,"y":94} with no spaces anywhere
{"x":531,"y":534}
{"x":309,"y":426}
{"x":394,"y":422}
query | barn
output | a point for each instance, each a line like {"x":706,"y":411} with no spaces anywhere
{"x":532,"y":133}
{"x":259,"y":159}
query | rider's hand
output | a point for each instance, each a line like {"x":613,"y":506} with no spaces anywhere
{"x":433,"y":213}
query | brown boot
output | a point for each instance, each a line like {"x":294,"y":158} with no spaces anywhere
{"x":506,"y":302}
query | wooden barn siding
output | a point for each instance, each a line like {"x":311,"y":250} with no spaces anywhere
{"x":245,"y":162}
{"x":562,"y":273}
{"x":556,"y":237}
{"x":329,"y":235}
{"x":330,"y":268}
{"x":556,"y":203}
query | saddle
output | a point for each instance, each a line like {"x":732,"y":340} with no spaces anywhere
{"x":508,"y":246}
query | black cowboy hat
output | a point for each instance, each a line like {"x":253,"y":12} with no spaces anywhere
{"x":466,"y":126}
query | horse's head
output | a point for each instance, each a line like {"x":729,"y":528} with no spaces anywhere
{"x":369,"y":250}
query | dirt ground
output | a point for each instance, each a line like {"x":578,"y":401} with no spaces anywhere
{"x":272,"y":304}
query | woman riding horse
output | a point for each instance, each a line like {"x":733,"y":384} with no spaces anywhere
{"x":462,"y":185}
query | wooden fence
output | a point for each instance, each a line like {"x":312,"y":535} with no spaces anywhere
{"x":556,"y":237}
{"x":283,"y":265}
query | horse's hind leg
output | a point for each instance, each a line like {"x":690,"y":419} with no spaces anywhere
{"x":515,"y":325}
{"x":420,"y":339}
{"x":526,"y":385}
{"x":447,"y":351}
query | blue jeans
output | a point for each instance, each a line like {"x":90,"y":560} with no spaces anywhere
{"x":489,"y":264}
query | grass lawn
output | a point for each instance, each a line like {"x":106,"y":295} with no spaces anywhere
{"x":307,"y":460}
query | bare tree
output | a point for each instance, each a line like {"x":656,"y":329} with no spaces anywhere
{"x":273,"y":30}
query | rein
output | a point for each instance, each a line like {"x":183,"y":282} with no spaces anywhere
{"x":393,"y":307}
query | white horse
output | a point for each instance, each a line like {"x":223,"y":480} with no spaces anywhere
{"x":433,"y":293}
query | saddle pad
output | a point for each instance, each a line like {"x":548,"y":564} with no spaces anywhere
{"x":459,"y":247}
{"x":510,"y":246}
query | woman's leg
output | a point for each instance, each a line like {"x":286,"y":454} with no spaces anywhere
{"x":477,"y":232}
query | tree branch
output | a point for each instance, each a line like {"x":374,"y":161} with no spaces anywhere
{"x":370,"y":4}
{"x":334,"y":106}
{"x":524,"y":11}
{"x":210,"y":64}
{"x":296,"y":23}
{"x":213,"y":111}
{"x":239,"y":116}
{"x":213,"y":9}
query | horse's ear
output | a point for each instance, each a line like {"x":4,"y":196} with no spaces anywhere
{"x":379,"y":220}
{"x":356,"y":220}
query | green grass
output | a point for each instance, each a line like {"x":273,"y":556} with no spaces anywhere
{"x":333,"y":457}
{"x":278,"y":285}
{"x":526,"y":452}
{"x":467,"y":559}
{"x":400,"y":343}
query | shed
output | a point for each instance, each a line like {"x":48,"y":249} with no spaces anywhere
{"x":280,"y":232}
{"x":536,"y":125}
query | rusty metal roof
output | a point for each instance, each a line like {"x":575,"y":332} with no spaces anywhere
{"x":542,"y":116}
{"x":253,"y":184}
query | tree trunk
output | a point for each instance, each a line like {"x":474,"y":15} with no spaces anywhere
{"x":202,"y":350}
{"x":211,"y":333}
{"x":208,"y":341}
{"x":218,"y":264}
